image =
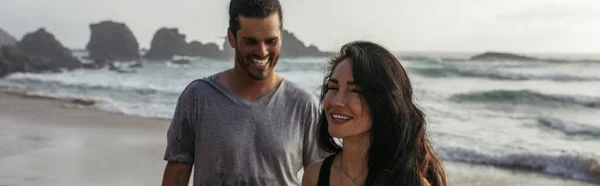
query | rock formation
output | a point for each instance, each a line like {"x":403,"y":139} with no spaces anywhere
{"x":293,"y":47}
{"x":167,"y":42}
{"x":228,"y":52}
{"x":494,"y":56}
{"x":13,"y":60}
{"x":38,"y":51}
{"x":6,"y":39}
{"x":209,"y":50}
{"x":112,"y":41}
{"x":41,"y":44}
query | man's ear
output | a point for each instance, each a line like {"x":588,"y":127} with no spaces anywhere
{"x":231,"y":38}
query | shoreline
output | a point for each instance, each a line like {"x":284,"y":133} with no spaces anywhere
{"x":57,"y":142}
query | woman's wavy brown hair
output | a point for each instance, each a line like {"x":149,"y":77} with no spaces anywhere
{"x":400,"y":152}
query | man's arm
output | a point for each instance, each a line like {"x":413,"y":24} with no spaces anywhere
{"x":311,"y":150}
{"x":177,"y":174}
{"x":181,"y":137}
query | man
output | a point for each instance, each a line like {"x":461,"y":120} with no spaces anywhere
{"x":246,"y":125}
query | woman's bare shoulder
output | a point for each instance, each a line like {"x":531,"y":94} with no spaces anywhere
{"x":311,"y":173}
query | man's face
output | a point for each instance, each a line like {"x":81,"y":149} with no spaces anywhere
{"x":257,"y":46}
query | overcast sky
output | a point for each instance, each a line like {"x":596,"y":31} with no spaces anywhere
{"x":563,"y":26}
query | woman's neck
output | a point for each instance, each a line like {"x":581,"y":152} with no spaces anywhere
{"x":354,"y":155}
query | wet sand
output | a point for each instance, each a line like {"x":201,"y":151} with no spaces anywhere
{"x":46,"y":142}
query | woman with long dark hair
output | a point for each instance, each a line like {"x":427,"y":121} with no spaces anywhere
{"x":367,"y":102}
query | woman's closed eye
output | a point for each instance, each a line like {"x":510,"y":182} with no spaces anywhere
{"x":337,"y":88}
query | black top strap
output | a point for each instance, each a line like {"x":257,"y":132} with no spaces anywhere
{"x":325,"y":170}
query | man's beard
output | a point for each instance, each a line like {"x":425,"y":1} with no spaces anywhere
{"x":245,"y":64}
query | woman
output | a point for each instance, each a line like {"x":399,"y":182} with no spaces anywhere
{"x":367,"y":102}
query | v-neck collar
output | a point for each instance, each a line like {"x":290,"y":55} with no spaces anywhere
{"x":241,"y":101}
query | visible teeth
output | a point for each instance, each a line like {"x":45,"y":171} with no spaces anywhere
{"x":260,"y":62}
{"x":340,"y":117}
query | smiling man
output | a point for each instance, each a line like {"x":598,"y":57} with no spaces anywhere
{"x":246,"y":125}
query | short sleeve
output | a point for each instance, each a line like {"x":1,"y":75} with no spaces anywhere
{"x":311,"y":151}
{"x":181,"y":134}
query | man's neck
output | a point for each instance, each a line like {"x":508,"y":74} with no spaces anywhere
{"x":246,"y":87}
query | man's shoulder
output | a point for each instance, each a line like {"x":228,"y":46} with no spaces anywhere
{"x":199,"y":85}
{"x":301,"y":94}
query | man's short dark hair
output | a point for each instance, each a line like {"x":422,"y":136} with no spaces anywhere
{"x":252,"y":9}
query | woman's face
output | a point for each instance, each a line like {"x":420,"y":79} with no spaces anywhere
{"x":347,"y":112}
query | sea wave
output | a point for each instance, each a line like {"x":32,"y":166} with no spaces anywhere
{"x":585,"y":167}
{"x":320,"y":67}
{"x":493,"y":74}
{"x":27,"y":79}
{"x":570,"y":128}
{"x":418,"y":58}
{"x":89,"y":100}
{"x":526,"y":97}
{"x":147,"y":110}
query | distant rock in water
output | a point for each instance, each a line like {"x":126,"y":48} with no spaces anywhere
{"x":38,"y":51}
{"x":8,"y":54}
{"x":12,"y":60}
{"x":293,"y":47}
{"x":167,"y":42}
{"x":495,"y":56}
{"x":6,"y":39}
{"x":112,"y":41}
{"x":44,"y":45}
{"x":196,"y":48}
{"x":228,"y":52}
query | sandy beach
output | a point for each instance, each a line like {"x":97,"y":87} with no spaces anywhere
{"x":46,"y":142}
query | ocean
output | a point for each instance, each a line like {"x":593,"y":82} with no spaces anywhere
{"x":535,"y":115}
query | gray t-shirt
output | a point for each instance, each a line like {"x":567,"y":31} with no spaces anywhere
{"x":232,"y":141}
